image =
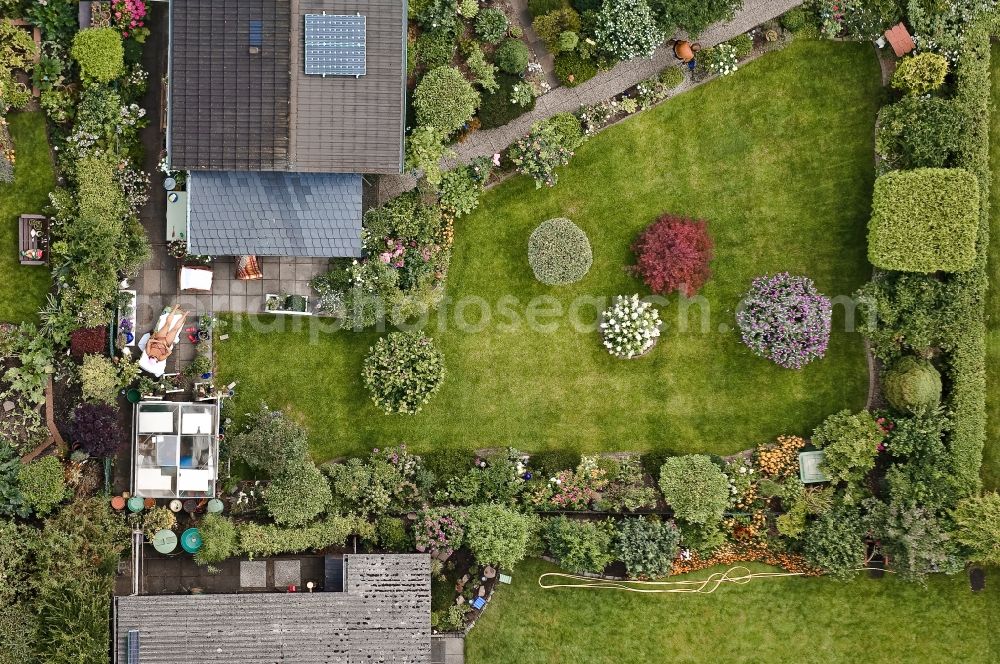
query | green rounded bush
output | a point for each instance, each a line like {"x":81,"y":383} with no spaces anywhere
{"x":912,"y":385}
{"x":42,"y":485}
{"x":512,"y":56}
{"x":794,"y":19}
{"x":435,"y":48}
{"x":572,"y":70}
{"x":568,"y":40}
{"x":492,"y":25}
{"x":672,"y":77}
{"x":100,"y":54}
{"x":402,"y":371}
{"x":298,"y":495}
{"x":742,"y":45}
{"x":559,"y":252}
{"x":695,"y":488}
{"x":920,"y":74}
{"x":444,"y":99}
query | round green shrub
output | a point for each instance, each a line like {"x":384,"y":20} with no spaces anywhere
{"x":920,"y":74}
{"x":512,"y":56}
{"x":42,"y":485}
{"x":912,"y":385}
{"x":794,"y":19}
{"x":435,"y":48}
{"x":568,"y":40}
{"x":298,"y":495}
{"x":672,"y":77}
{"x":444,"y":99}
{"x":572,"y":70}
{"x":695,"y":488}
{"x":100,"y":54}
{"x":742,"y":45}
{"x":559,"y":252}
{"x":402,"y":371}
{"x":218,"y":540}
{"x":468,"y":8}
{"x":492,"y":25}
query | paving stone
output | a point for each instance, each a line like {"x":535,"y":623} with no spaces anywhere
{"x":253,"y":574}
{"x":287,"y":573}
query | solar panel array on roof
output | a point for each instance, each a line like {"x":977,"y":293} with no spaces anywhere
{"x":335,"y":45}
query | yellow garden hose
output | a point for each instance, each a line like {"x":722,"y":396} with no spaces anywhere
{"x":737,"y":574}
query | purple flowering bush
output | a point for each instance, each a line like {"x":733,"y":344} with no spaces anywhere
{"x":784,"y":319}
{"x":438,"y":530}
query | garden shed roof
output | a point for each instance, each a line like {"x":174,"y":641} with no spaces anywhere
{"x":240,"y":98}
{"x":382,"y":616}
{"x":233,"y":213}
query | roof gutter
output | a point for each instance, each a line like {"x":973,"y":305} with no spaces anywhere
{"x":402,"y":109}
{"x":170,"y":63}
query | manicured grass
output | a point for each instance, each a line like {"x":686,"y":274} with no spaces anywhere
{"x":991,"y":455}
{"x":23,"y":288}
{"x":777,"y":158}
{"x":791,"y":620}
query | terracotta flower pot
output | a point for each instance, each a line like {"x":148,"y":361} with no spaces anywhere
{"x":150,"y":503}
{"x":117,"y":503}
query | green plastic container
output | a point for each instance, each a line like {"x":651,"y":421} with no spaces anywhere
{"x":133,"y":395}
{"x":135,"y":504}
{"x":215,"y":506}
{"x":191,"y":540}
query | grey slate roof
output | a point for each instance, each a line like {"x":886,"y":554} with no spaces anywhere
{"x":383,"y":616}
{"x":233,"y":110}
{"x":273,"y":213}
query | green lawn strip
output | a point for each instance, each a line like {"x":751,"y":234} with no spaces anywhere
{"x":777,"y":158}
{"x":775,"y":620}
{"x":23,"y":288}
{"x":991,"y":453}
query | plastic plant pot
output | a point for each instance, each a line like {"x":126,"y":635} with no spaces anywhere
{"x":191,"y":540}
{"x":149,"y":503}
{"x":133,"y":395}
{"x":118,"y":503}
{"x":135,"y":504}
{"x":215,"y":506}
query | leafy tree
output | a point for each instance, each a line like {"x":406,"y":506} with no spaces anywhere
{"x":580,"y":546}
{"x":270,"y":442}
{"x":850,"y":444}
{"x":298,"y":495}
{"x":512,"y":56}
{"x":835,"y":542}
{"x":444,"y":99}
{"x":977,"y":521}
{"x":100,"y":53}
{"x":219,"y":540}
{"x":550,"y":26}
{"x":922,"y":132}
{"x":672,"y":254}
{"x":498,"y":535}
{"x":696,"y":489}
{"x":402,"y":371}
{"x":626,"y":29}
{"x":914,"y":538}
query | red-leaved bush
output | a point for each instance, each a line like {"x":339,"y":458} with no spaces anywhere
{"x":88,"y":341}
{"x":672,"y":254}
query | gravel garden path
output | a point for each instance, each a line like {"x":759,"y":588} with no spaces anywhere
{"x":606,"y":84}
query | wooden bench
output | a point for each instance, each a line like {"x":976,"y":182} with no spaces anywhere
{"x":33,"y":242}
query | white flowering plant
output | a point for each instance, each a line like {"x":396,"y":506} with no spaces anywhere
{"x":720,"y":60}
{"x":630,"y":327}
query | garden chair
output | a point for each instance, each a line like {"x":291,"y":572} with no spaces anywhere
{"x":156,"y":346}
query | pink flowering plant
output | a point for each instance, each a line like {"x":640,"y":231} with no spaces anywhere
{"x":575,"y":489}
{"x":439,"y":530}
{"x":129,"y":18}
{"x":784,"y":319}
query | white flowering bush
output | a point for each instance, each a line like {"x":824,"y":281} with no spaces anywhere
{"x":630,"y":327}
{"x":721,"y":60}
{"x":626,"y":29}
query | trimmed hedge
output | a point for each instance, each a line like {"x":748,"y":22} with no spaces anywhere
{"x":967,"y":369}
{"x":924,"y":220}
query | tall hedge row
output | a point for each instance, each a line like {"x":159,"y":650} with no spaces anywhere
{"x":924,"y":220}
{"x":967,"y":366}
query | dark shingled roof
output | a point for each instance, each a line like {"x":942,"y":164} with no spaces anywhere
{"x":229,"y":108}
{"x":233,"y":110}
{"x":383,"y":616}
{"x":274,"y":214}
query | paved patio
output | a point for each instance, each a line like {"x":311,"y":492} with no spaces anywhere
{"x":178,"y":574}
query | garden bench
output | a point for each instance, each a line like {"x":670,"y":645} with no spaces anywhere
{"x":33,"y":239}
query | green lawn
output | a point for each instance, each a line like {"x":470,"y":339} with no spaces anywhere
{"x":991,"y":455}
{"x":777,"y":158}
{"x":23,"y":288}
{"x":791,"y":620}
